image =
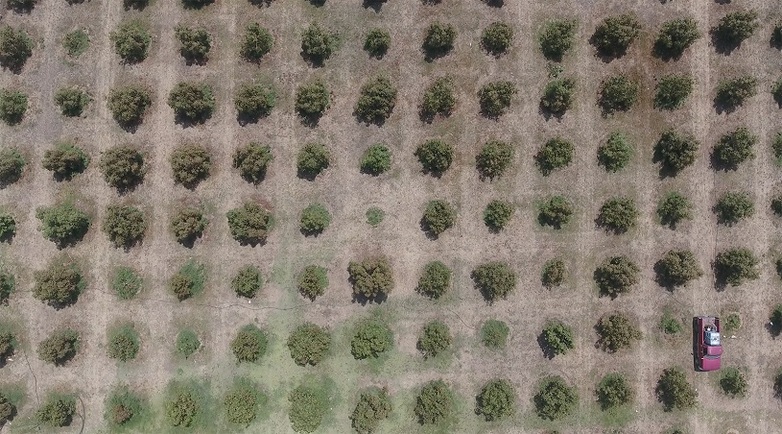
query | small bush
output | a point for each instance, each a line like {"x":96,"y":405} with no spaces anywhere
{"x":556,"y":212}
{"x":192,"y":102}
{"x":733,"y":207}
{"x":318,"y":44}
{"x":188,"y":224}
{"x":63,"y":224}
{"x":676,"y":36}
{"x":558,"y":96}
{"x":312,"y":100}
{"x":732,"y":93}
{"x":557,"y":38}
{"x":731,"y":323}
{"x":370,"y":340}
{"x":56,"y":411}
{"x":131,"y":41}
{"x":377,"y":43}
{"x":438,"y":99}
{"x":614,"y":35}
{"x":128,"y":105}
{"x":494,"y":334}
{"x":123,"y":407}
{"x":188,"y":280}
{"x":194,"y":43}
{"x":669,"y":324}
{"x":495,"y":98}
{"x":247,"y":282}
{"x":376,"y":101}
{"x":554,"y":273}
{"x":7,"y":227}
{"x":16,"y":47}
{"x":435,"y":156}
{"x":249,"y":224}
{"x":182,"y":406}
{"x":557,"y":339}
{"x":254,"y":101}
{"x":615,"y":153}
{"x":190,"y":164}
{"x":435,"y":403}
{"x":618,"y":214}
{"x":375,"y":216}
{"x":672,"y":91}
{"x":71,"y":101}
{"x":7,"y":410}
{"x":677,"y":268}
{"x":616,"y":275}
{"x":314,"y":219}
{"x":308,"y":407}
{"x":187,"y":343}
{"x":7,"y":286}
{"x":309,"y":344}
{"x":124,"y":225}
{"x":554,"y":154}
{"x":736,"y":266}
{"x":438,"y":216}
{"x":435,"y":338}
{"x":59,"y":347}
{"x":495,"y":280}
{"x":735,"y":148}
{"x":614,"y":390}
{"x":11,"y":166}
{"x":373,"y":406}
{"x":617,"y":93}
{"x":65,"y":160}
{"x":497,"y":38}
{"x":371,"y":279}
{"x":312,"y":159}
{"x":76,"y":42}
{"x":733,"y":383}
{"x":242,"y":402}
{"x":123,"y":343}
{"x":555,"y":399}
{"x":616,"y":332}
{"x":376,"y":160}
{"x":434,"y":280}
{"x":673,"y":208}
{"x":256,"y":44}
{"x":249,"y":344}
{"x":675,"y":151}
{"x":312,"y":282}
{"x":126,"y":283}
{"x":497,"y":215}
{"x":438,"y":40}
{"x":496,"y":401}
{"x":13,"y":105}
{"x":674,"y":391}
{"x":252,"y":161}
{"x":734,"y":28}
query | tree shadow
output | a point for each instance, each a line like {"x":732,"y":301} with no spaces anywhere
{"x":370,"y":120}
{"x":252,"y":241}
{"x":21,"y":8}
{"x":313,"y":60}
{"x":262,"y":3}
{"x":495,"y":3}
{"x":430,"y":234}
{"x":432,"y":54}
{"x":665,"y":54}
{"x":132,"y":126}
{"x":549,"y":114}
{"x":8,"y":237}
{"x":310,"y":120}
{"x":666,"y":170}
{"x":375,"y":5}
{"x":721,"y":276}
{"x":317,"y":3}
{"x":196,"y":4}
{"x":660,"y":279}
{"x":722,"y":44}
{"x":605,"y":56}
{"x":721,"y":106}
{"x":548,"y":352}
{"x":138,"y":5}
{"x":720,"y":165}
{"x":186,"y":121}
{"x":245,"y":119}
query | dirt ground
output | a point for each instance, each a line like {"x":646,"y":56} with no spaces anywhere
{"x":217,"y":314}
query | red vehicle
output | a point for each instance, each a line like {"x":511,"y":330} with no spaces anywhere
{"x":708,"y":343}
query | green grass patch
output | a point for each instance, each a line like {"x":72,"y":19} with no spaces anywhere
{"x":76,"y":42}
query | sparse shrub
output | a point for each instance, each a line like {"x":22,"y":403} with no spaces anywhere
{"x":7,"y":286}
{"x":438,"y":99}
{"x":308,"y":407}
{"x":375,"y":216}
{"x":252,"y":161}
{"x":254,"y":101}
{"x":128,"y":105}
{"x":318,"y":44}
{"x":677,"y":268}
{"x":555,"y":154}
{"x":672,"y":91}
{"x":11,"y":166}
{"x":675,"y":36}
{"x":434,"y":280}
{"x":13,"y":105}
{"x":494,"y":334}
{"x":123,"y":167}
{"x":247,"y":282}
{"x":126,"y":283}
{"x":312,"y":100}
{"x":557,"y":338}
{"x":495,"y":280}
{"x":8,"y":345}
{"x":16,"y":47}
{"x":76,"y":42}
{"x":557,"y":38}
{"x":615,"y":153}
{"x":194,"y":43}
{"x":496,"y":401}
{"x":376,"y":159}
{"x":438,"y":40}
{"x":7,"y":227}
{"x":675,"y":151}
{"x":376,"y":101}
{"x":256,"y":44}
{"x":309,"y":344}
{"x":65,"y":160}
{"x":617,"y":93}
{"x":371,"y":338}
{"x":735,"y":148}
{"x":615,"y":332}
{"x":71,"y":101}
{"x":733,"y":207}
{"x":616,"y":275}
{"x":7,"y":410}
{"x":188,"y":281}
{"x":495,"y":98}
{"x":435,"y":403}
{"x":190,"y":164}
{"x":733,"y":383}
{"x":63,"y":224}
{"x":249,"y":344}
{"x":558,"y":96}
{"x":497,"y":215}
{"x":435,"y":156}
{"x":192,"y":102}
{"x":187,"y":343}
{"x":497,"y":38}
{"x":435,"y":338}
{"x":735,"y":27}
{"x":249,"y":224}
{"x":312,"y":159}
{"x":123,"y":407}
{"x":377,"y":43}
{"x":732,"y":93}
{"x":59,"y":347}
{"x":554,"y":273}
{"x":735,"y":266}
{"x":731,"y":323}
{"x":439,"y":216}
{"x":56,"y":411}
{"x":371,"y":278}
{"x":614,"y":390}
{"x":373,"y":406}
{"x":131,"y":41}
{"x":188,"y":224}
{"x":123,"y":343}
{"x":312,"y":282}
{"x":556,"y":212}
{"x":242,"y":402}
{"x":674,"y":391}
{"x":182,"y":406}
{"x":618,"y":214}
{"x":614,"y":35}
{"x":669,"y":324}
{"x":124,"y":225}
{"x":555,"y":399}
{"x":314,"y":219}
